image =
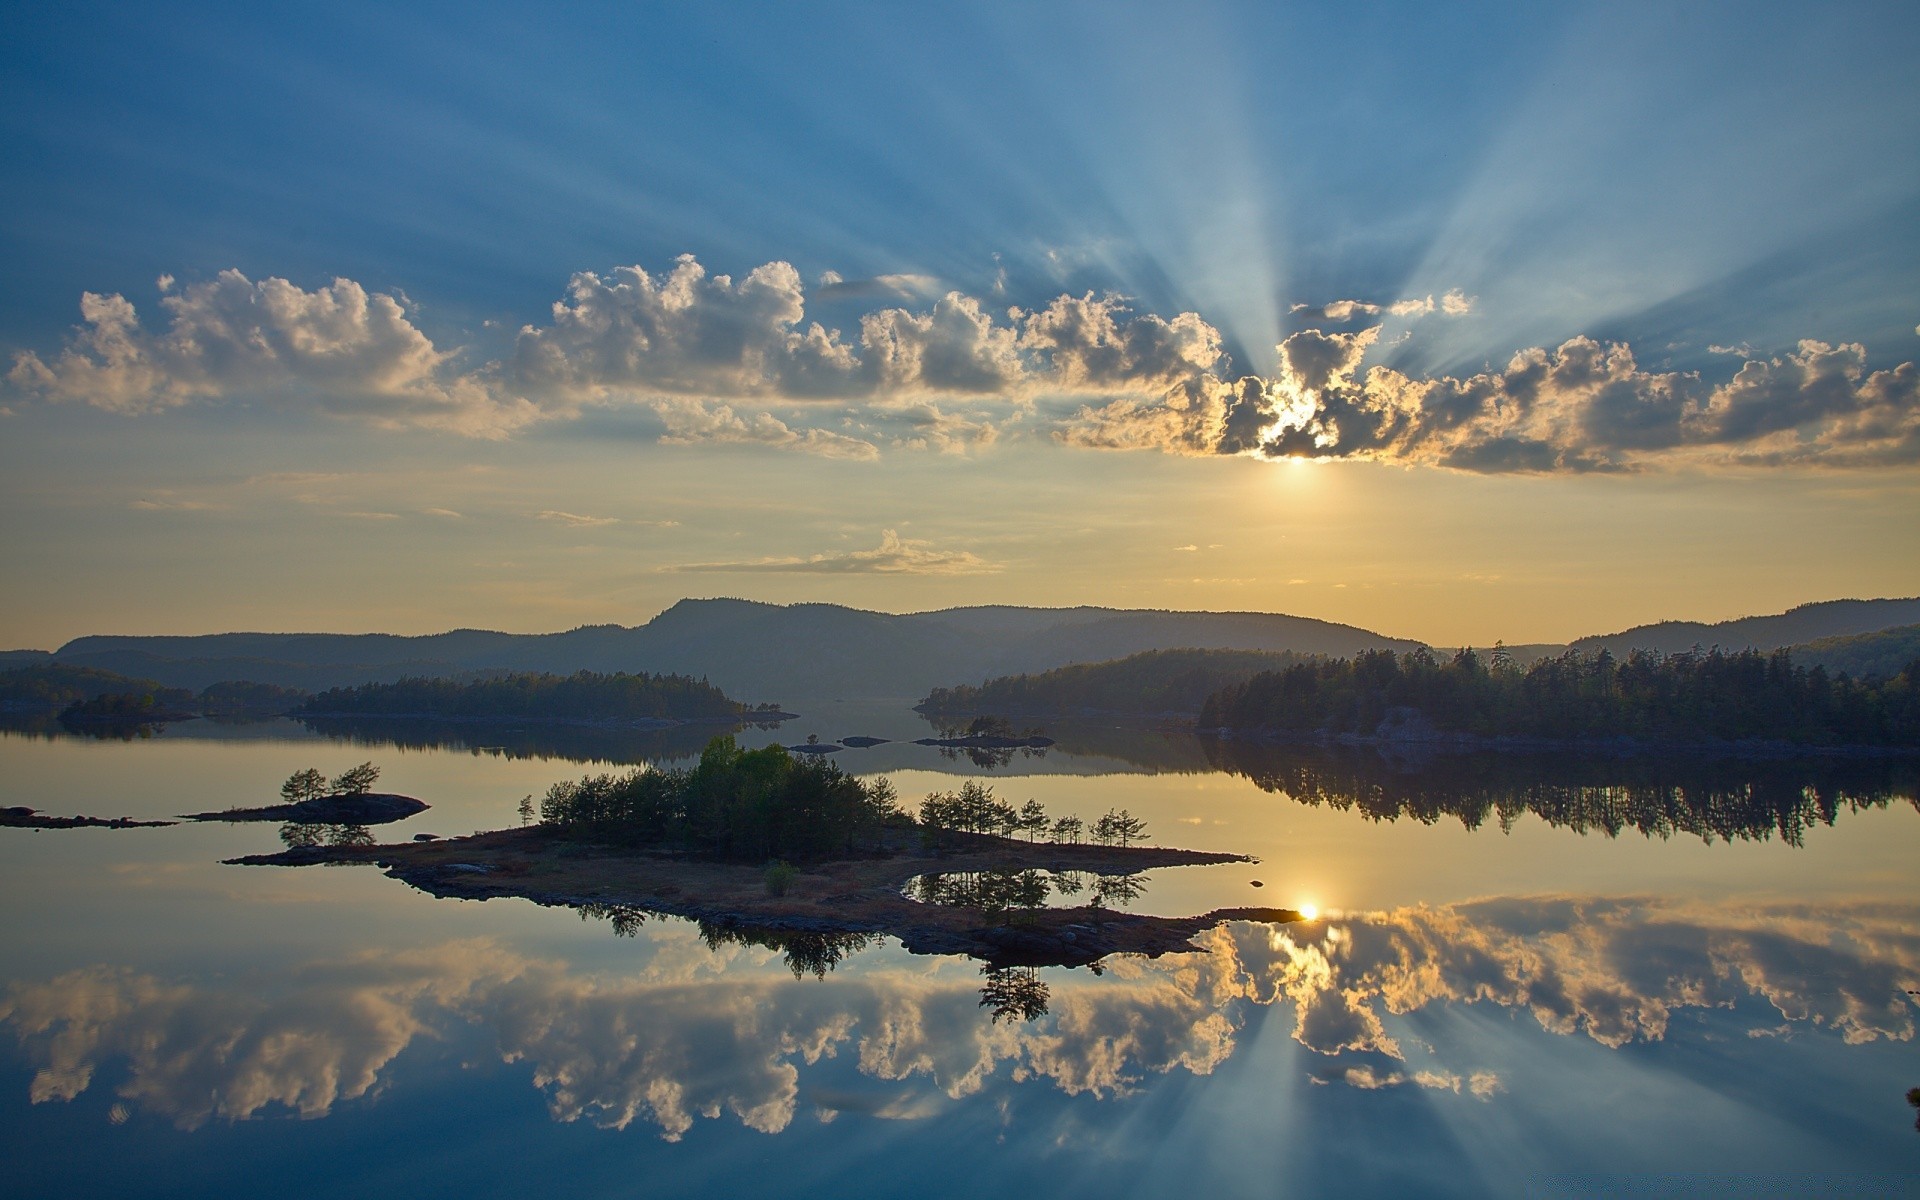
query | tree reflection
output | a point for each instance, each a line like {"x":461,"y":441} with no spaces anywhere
{"x":625,"y":918}
{"x":807,"y":952}
{"x":1711,"y":798}
{"x":1003,"y":893}
{"x":1013,"y":993}
{"x":296,"y":835}
{"x":1118,"y":891}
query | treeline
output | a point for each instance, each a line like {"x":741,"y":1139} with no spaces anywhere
{"x":744,"y":805}
{"x":88,"y":694}
{"x":1156,"y":683}
{"x":1885,"y":652}
{"x":583,"y":696}
{"x":1712,"y":798}
{"x":769,"y":805}
{"x":1693,"y":697}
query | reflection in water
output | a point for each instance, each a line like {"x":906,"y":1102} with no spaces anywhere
{"x":573,"y":743}
{"x":1012,"y":992}
{"x":1659,"y":795}
{"x":50,"y":726}
{"x":807,"y":952}
{"x":296,"y":835}
{"x":696,"y":1032}
{"x":999,"y":893}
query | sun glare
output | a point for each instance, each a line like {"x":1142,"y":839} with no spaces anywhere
{"x":1310,"y":912}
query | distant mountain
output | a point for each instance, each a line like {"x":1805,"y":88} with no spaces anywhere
{"x":1809,"y":622}
{"x":753,"y":651}
{"x":1886,"y":652}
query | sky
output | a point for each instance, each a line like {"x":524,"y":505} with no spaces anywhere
{"x":1456,"y":322}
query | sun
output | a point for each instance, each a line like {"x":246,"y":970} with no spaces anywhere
{"x":1309,"y":912}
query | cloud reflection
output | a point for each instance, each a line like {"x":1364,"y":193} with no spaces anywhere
{"x":695,"y":1035}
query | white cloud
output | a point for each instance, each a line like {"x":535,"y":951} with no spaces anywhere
{"x":338,"y":348}
{"x":692,"y":422}
{"x":732,"y":361}
{"x":894,"y":555}
{"x":574,"y":520}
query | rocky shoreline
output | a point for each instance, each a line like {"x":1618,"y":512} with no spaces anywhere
{"x":22,"y":817}
{"x":855,"y":895}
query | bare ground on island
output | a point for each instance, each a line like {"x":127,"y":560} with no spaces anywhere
{"x":856,"y":894}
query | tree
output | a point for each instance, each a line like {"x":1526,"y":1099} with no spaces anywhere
{"x":1069,"y":830}
{"x":303,"y":785}
{"x":526,"y":809}
{"x":356,"y":781}
{"x":1033,"y":819}
{"x":1119,"y":827}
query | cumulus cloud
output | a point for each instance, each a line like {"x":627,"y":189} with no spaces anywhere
{"x":697,"y":1035}
{"x":894,"y":555}
{"x":1584,"y":406}
{"x":338,"y":347}
{"x":722,"y":360}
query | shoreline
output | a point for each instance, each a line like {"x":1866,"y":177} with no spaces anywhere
{"x":851,"y":895}
{"x":1620,"y":746}
{"x":637,"y":723}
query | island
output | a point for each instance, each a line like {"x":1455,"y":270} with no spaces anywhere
{"x":766,"y":846}
{"x":19,"y":816}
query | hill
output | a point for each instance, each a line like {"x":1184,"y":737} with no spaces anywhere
{"x":1808,"y":622}
{"x":1158,"y":683}
{"x":1863,"y":655}
{"x":748,"y":649}
{"x":584,"y":696}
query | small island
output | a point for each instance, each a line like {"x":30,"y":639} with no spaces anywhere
{"x":765,"y":843}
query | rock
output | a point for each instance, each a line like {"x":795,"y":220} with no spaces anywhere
{"x":1257,"y":883}
{"x":20,"y":810}
{"x":434,"y":837}
{"x":861,"y":743}
{"x":466,"y":869}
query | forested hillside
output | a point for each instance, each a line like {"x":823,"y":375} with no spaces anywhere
{"x":583,"y":696}
{"x":1156,"y":683}
{"x":1668,"y":698}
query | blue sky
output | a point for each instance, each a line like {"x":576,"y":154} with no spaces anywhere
{"x":1707,"y":188}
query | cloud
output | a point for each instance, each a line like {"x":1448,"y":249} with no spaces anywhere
{"x":834,"y":286}
{"x":1585,"y":406}
{"x":720,"y":360}
{"x":692,"y":422}
{"x":338,"y":348}
{"x":894,"y":555}
{"x":574,"y":520}
{"x":694,"y":1033}
{"x":173,"y":505}
{"x":1455,"y":303}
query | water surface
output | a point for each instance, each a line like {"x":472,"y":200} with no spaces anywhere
{"x":1523,"y":976}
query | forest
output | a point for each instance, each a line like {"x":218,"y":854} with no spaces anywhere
{"x":1155,"y":683}
{"x":741,"y":805}
{"x":769,"y":805}
{"x":1699,"y":696}
{"x":85,"y":693}
{"x":582,"y":696}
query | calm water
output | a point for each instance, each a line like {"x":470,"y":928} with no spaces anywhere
{"x":1527,"y":978}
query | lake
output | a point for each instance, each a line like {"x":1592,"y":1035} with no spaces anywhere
{"x":1551,"y":976}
